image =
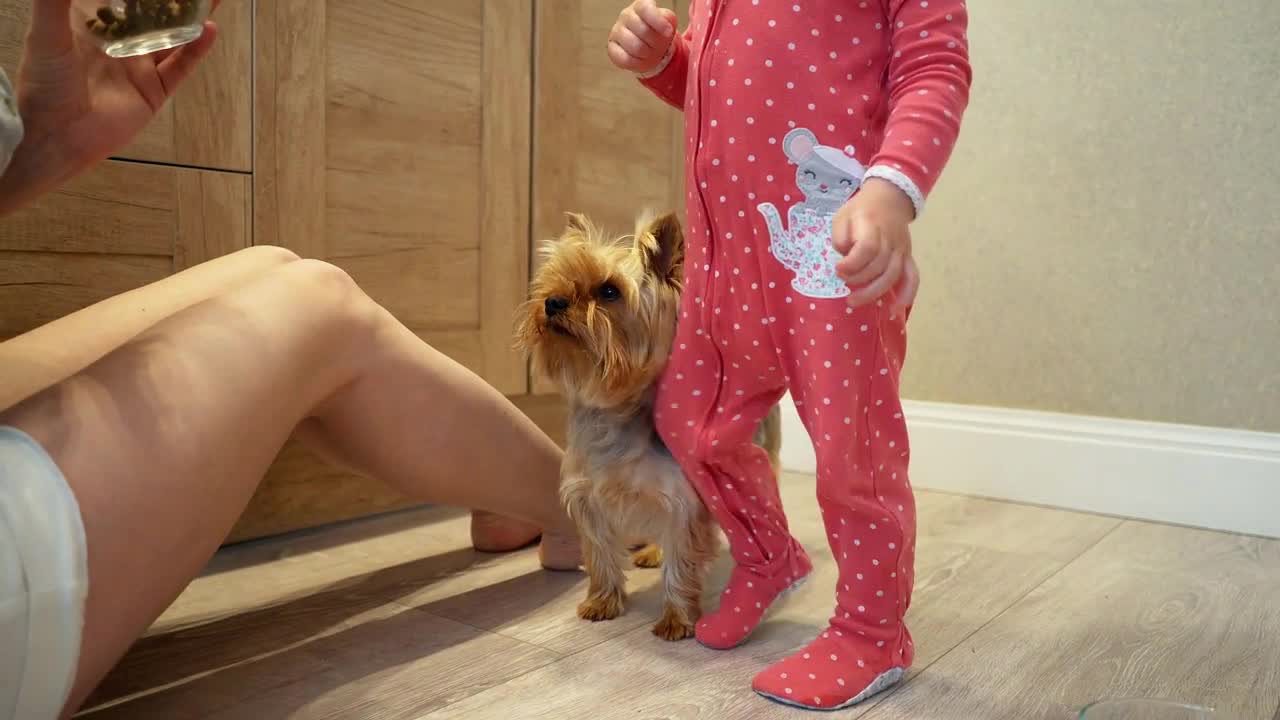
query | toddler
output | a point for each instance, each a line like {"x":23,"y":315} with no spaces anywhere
{"x":814,"y":131}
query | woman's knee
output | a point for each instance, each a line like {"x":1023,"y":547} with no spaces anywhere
{"x":266,"y":257}
{"x":326,"y":288}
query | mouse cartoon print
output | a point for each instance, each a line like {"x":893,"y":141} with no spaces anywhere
{"x":828,"y":177}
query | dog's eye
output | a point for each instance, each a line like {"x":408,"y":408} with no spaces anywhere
{"x":608,"y":292}
{"x":811,"y":174}
{"x":846,"y":182}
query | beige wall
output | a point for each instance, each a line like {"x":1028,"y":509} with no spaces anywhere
{"x":1106,"y":240}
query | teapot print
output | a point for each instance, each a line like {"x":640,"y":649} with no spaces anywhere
{"x":828,"y":177}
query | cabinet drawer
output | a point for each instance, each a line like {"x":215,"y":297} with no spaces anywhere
{"x":120,"y":226}
{"x":209,"y":121}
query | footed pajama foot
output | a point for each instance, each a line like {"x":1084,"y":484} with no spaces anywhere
{"x":745,"y":601}
{"x":834,"y":671}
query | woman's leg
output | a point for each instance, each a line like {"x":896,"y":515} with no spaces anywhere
{"x":164,"y":439}
{"x":53,"y":352}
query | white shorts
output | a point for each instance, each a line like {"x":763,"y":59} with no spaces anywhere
{"x":44,"y":577}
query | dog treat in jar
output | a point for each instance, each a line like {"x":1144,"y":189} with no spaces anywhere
{"x":124,"y":28}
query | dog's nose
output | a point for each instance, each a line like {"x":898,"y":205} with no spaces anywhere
{"x":823,"y":188}
{"x":556,"y":305}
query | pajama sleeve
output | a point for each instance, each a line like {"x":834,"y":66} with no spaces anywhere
{"x":668,"y":80}
{"x":928,"y":85}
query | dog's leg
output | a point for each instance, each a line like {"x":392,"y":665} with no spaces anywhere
{"x":602,"y":556}
{"x":648,"y":555}
{"x":688,"y":550}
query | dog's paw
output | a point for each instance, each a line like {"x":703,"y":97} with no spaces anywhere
{"x":647,"y":556}
{"x":601,"y":607}
{"x":672,"y":627}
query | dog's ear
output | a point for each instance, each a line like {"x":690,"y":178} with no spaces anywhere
{"x":661,"y":244}
{"x":577,"y":223}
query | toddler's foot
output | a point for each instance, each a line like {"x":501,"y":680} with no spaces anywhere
{"x":745,"y":601}
{"x":834,"y":671}
{"x":493,"y":533}
{"x":559,"y":550}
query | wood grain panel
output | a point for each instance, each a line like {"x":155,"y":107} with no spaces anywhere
{"x":120,"y":226}
{"x":393,"y":140}
{"x":38,"y":287}
{"x":208,"y":122}
{"x":504,"y":175}
{"x":602,"y":142}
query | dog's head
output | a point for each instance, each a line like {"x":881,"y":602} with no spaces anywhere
{"x":602,"y":311}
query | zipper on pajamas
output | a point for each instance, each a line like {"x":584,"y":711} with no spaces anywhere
{"x":709,"y":313}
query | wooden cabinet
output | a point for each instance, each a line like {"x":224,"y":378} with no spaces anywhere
{"x":393,"y":140}
{"x":120,"y":226}
{"x":603,"y":144}
{"x":421,"y":146}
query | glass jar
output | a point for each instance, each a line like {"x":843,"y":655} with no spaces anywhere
{"x":1138,"y":709}
{"x":123,"y":28}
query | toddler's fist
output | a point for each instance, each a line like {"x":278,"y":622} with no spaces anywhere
{"x":642,"y":36}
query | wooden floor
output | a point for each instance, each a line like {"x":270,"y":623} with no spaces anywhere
{"x":1019,"y":612}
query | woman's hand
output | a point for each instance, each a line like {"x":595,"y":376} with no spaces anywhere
{"x":78,"y":105}
{"x":872,"y":233}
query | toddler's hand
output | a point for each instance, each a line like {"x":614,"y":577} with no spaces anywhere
{"x":641,"y":37}
{"x":872,"y":233}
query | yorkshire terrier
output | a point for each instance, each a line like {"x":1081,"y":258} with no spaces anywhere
{"x":599,"y":324}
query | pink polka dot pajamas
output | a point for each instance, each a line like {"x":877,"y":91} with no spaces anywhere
{"x":789,"y":106}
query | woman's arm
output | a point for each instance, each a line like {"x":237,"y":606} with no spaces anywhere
{"x":78,"y":106}
{"x":35,"y":168}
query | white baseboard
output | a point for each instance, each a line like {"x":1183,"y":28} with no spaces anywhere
{"x":1204,"y":477}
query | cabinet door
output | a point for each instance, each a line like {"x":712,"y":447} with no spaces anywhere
{"x":603,"y":144}
{"x":120,"y":226}
{"x":208,"y":123}
{"x":393,"y":140}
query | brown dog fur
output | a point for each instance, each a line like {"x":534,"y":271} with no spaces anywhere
{"x":599,"y":324}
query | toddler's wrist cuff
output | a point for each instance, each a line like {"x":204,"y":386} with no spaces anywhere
{"x":899,"y":180}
